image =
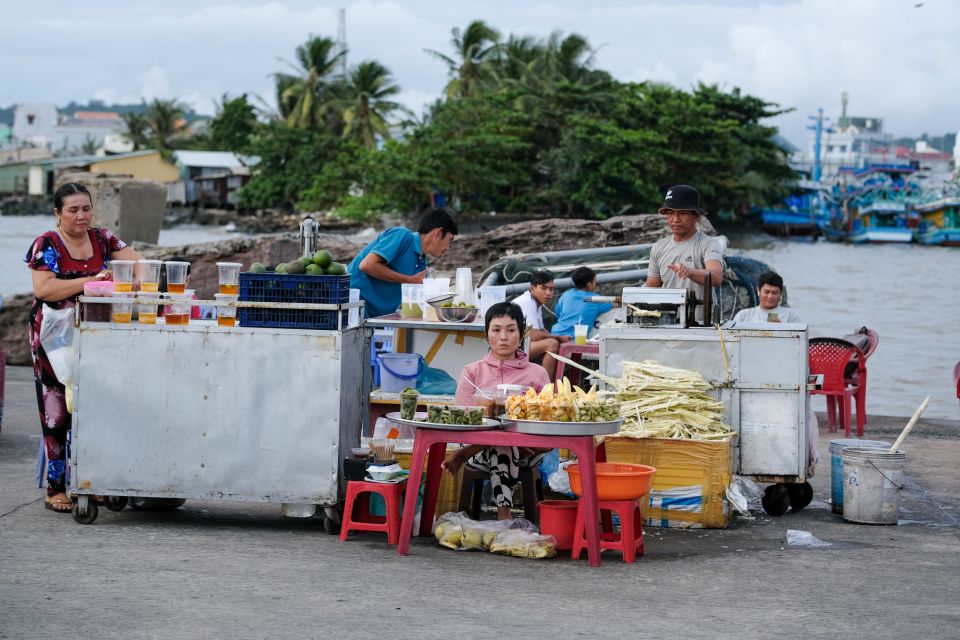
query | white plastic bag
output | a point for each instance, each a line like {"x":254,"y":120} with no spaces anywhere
{"x":56,"y":336}
{"x":741,"y":492}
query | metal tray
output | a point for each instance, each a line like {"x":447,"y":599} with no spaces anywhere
{"x":536,"y":427}
{"x":488,"y":423}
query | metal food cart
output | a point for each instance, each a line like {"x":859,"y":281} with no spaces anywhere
{"x":760,"y":375}
{"x":202,"y":411}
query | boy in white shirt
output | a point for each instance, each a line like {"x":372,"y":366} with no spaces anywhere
{"x":531,"y":302}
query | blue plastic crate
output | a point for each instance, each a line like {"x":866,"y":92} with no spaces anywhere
{"x":303,"y":289}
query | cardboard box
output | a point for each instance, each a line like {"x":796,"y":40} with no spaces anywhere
{"x":689,"y":488}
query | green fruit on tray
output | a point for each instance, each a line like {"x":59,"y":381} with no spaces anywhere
{"x":447,"y":305}
{"x":322,"y":258}
{"x":314,"y":270}
{"x":281,"y":268}
{"x":295,"y":267}
{"x":305,"y":261}
{"x":336,"y":269}
{"x":257,"y":267}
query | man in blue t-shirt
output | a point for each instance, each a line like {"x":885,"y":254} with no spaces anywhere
{"x":399,"y":256}
{"x":572,"y":309}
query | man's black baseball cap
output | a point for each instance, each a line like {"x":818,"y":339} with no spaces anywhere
{"x":682,"y":197}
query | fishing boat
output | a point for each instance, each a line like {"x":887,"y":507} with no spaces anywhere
{"x":940,"y":222}
{"x":883,"y":221}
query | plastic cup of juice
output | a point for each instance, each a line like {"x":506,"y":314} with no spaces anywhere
{"x":580,"y":333}
{"x":226,"y":316}
{"x":150,"y":275}
{"x":229,"y":273}
{"x":176,"y":276}
{"x":96,"y":312}
{"x":122,"y":274}
{"x":121,"y":309}
{"x":147,"y":311}
{"x":178,"y":313}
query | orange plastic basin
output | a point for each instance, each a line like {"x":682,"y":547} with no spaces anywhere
{"x":616,"y":480}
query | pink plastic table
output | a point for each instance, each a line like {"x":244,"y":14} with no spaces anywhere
{"x":435,"y":442}
{"x":571,"y":350}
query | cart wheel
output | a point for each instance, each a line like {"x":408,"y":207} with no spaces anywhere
{"x":776,"y":500}
{"x":115,"y":503}
{"x":331,"y":527}
{"x":800,"y":495}
{"x":88,"y":517}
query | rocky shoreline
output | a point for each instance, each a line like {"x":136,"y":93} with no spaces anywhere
{"x":475,"y":251}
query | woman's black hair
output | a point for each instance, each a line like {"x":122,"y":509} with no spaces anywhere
{"x":508,"y":309}
{"x":68,"y":189}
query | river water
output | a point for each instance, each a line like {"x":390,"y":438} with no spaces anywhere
{"x":909,"y":294}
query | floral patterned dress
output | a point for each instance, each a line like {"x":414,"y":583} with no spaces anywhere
{"x":49,"y":253}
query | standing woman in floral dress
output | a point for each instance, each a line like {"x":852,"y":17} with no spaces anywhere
{"x":62,"y":261}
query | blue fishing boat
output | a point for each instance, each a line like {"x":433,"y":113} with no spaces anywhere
{"x":940,"y":222}
{"x":883,"y":221}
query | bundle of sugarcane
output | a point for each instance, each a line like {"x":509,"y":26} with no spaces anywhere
{"x":657,"y":401}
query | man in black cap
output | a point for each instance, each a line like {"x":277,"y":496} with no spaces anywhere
{"x":682,"y":260}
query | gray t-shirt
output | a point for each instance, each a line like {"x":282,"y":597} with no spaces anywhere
{"x":694,"y":253}
{"x":756,"y":315}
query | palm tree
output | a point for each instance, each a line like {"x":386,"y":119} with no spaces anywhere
{"x":470,"y":67}
{"x":569,"y":58}
{"x":303,"y":97}
{"x":137,"y":129}
{"x":163,"y":118}
{"x":517,"y":59}
{"x":367,"y":105}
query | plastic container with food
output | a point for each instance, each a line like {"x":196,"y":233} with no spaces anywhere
{"x":96,"y":312}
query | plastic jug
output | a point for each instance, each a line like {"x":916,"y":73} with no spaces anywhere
{"x":489,"y":296}
{"x":433,"y":287}
{"x":410,"y":298}
{"x":464,"y":287}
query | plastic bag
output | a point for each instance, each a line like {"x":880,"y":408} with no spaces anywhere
{"x":559,"y":480}
{"x":433,"y":381}
{"x":741,"y":492}
{"x":523,"y":543}
{"x":448,"y":530}
{"x":56,"y":336}
{"x":460,"y":531}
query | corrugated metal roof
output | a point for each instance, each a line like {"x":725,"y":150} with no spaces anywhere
{"x":207,"y":159}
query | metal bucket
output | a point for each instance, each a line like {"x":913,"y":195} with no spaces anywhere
{"x":872,"y":479}
{"x":836,"y":467}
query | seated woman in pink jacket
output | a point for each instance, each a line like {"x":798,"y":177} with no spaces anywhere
{"x":504,"y":364}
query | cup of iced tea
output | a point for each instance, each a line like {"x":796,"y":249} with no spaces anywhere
{"x":121,"y":309}
{"x":178,"y":313}
{"x":226,"y":316}
{"x":147,"y":307}
{"x":176,"y":276}
{"x":97,"y":312}
{"x":150,"y":275}
{"x":229,"y":273}
{"x":122,"y":274}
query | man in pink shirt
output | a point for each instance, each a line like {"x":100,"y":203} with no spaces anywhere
{"x":504,"y":364}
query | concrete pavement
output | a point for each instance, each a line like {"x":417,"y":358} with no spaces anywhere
{"x":217,"y":569}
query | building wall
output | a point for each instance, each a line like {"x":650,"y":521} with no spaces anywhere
{"x":145,"y":167}
{"x":13,"y":178}
{"x":34,"y":121}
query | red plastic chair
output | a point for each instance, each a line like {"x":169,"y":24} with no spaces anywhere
{"x":867,"y":340}
{"x":830,"y":357}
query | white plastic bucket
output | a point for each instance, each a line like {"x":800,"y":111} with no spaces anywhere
{"x":836,"y":467}
{"x":399,"y":370}
{"x":872,"y":480}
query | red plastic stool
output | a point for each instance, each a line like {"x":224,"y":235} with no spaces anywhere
{"x":630,"y":539}
{"x":359,"y":491}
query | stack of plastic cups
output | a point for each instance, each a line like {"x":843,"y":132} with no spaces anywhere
{"x":150,"y":275}
{"x":122,"y":275}
{"x":226,"y":316}
{"x":229,"y":273}
{"x":178,"y":313}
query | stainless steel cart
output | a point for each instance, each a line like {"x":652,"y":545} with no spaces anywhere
{"x":762,"y":384}
{"x":215,"y":413}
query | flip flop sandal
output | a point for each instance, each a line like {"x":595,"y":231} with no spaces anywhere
{"x":52,"y":506}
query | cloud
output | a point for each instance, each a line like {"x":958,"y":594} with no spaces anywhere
{"x":896,"y":62}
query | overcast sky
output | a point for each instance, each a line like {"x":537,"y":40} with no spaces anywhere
{"x":896,"y":60}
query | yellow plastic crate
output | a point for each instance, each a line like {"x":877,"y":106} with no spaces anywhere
{"x":689,"y":488}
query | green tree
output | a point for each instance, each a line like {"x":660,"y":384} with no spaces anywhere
{"x":304,"y":97}
{"x":138,"y":129}
{"x":470,"y":66}
{"x":367,"y":105}
{"x":164,"y":121}
{"x":234,"y":123}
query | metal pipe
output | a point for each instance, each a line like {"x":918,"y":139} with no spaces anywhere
{"x":562,"y":284}
{"x":591,"y":252}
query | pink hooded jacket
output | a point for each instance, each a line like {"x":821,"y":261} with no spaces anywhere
{"x":489,"y":372}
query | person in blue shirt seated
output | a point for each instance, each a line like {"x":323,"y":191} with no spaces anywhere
{"x":399,"y":256}
{"x":573,"y":309}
